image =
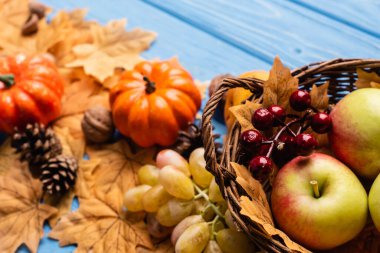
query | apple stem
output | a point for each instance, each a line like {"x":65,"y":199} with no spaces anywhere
{"x":314,"y":183}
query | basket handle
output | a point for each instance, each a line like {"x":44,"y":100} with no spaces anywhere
{"x":253,"y":84}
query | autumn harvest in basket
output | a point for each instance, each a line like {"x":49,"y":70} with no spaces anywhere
{"x":85,"y":119}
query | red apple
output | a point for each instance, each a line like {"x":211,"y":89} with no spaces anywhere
{"x":319,"y":202}
{"x":355,"y":132}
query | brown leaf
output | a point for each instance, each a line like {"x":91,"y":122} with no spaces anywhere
{"x":243,"y":114}
{"x":14,"y":12}
{"x":48,"y":35}
{"x":257,"y":214}
{"x":319,"y":98}
{"x":21,"y":213}
{"x":251,"y":186}
{"x":280,"y":85}
{"x":97,"y":227}
{"x":81,"y":95}
{"x":112,"y":47}
{"x":8,"y":157}
{"x":70,"y":145}
{"x":118,"y":166}
{"x":367,"y":79}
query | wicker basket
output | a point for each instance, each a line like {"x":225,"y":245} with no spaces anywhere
{"x":341,"y":74}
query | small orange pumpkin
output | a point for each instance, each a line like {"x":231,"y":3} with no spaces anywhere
{"x":30,"y":91}
{"x":152,"y":102}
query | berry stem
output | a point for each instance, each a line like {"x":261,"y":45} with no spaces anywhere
{"x":314,"y":184}
{"x":284,"y":128}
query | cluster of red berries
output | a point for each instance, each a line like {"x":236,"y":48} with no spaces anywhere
{"x":286,"y":143}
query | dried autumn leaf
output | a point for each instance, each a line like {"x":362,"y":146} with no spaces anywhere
{"x":74,"y":21}
{"x":252,"y":187}
{"x":319,"y":97}
{"x":8,"y":157}
{"x":14,"y":12}
{"x":279,"y":86}
{"x":81,"y":95}
{"x":118,"y":166}
{"x":252,"y":210}
{"x":48,"y":35}
{"x":98,"y":227}
{"x":73,"y":124}
{"x":243,"y":114}
{"x":367,"y":79}
{"x":21,"y":213}
{"x":113,"y":47}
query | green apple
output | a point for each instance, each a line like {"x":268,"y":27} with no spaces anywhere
{"x":355,"y":133}
{"x":319,"y":202}
{"x":374,"y":202}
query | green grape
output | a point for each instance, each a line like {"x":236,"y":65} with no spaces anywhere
{"x":148,"y":174}
{"x":176,"y":183}
{"x":230,"y":220}
{"x":219,"y":225}
{"x":170,"y":157}
{"x":194,"y":239}
{"x":231,"y":241}
{"x":183,"y":225}
{"x":197,"y":165}
{"x":214,"y":192}
{"x":155,"y":229}
{"x":200,"y":207}
{"x":174,"y":211}
{"x":133,"y":198}
{"x":154,"y":198}
{"x":212,"y":247}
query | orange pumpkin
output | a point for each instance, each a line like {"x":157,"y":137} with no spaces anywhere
{"x":30,"y":91}
{"x":152,"y":102}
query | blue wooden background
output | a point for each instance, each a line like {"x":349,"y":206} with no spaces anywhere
{"x":233,"y":36}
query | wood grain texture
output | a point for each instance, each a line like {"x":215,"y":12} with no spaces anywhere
{"x":265,"y":29}
{"x":362,"y":15}
{"x":220,"y":36}
{"x":201,"y":53}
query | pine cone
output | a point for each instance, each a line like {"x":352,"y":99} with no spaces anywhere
{"x":36,"y":144}
{"x":59,"y":174}
{"x":191,"y":139}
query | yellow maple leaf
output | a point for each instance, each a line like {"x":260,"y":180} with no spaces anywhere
{"x":319,"y":97}
{"x":21,"y":213}
{"x":279,"y":86}
{"x":367,"y":79}
{"x":112,"y":47}
{"x":252,"y":210}
{"x":8,"y":157}
{"x":118,"y":167}
{"x":243,"y":114}
{"x":82,"y":95}
{"x":98,"y":227}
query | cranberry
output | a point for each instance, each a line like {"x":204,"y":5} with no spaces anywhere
{"x":262,"y":119}
{"x":251,"y":139}
{"x":321,"y":123}
{"x":305,"y":144}
{"x":260,"y":166}
{"x":279,"y":114}
{"x":300,"y":100}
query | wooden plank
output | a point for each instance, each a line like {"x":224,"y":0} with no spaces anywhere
{"x":265,"y":29}
{"x":362,"y":15}
{"x":202,"y":54}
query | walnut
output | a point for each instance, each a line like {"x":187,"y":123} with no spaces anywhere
{"x":97,"y":125}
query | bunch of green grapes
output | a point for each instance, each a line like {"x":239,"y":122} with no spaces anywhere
{"x":183,"y":199}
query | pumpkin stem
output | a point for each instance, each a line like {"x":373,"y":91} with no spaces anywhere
{"x":150,"y":86}
{"x":7,"y":79}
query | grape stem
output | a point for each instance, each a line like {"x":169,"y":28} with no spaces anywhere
{"x":200,"y":195}
{"x":213,"y":222}
{"x":204,"y":195}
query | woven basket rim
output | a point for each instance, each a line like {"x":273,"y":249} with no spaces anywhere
{"x":339,"y":70}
